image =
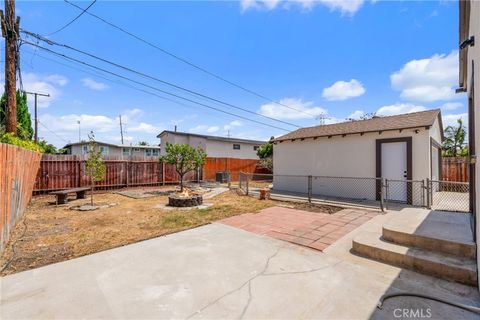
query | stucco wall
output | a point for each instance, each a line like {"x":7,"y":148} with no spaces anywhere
{"x":225,"y":149}
{"x":213,"y":148}
{"x":174,"y":139}
{"x":436,"y":133}
{"x":349,"y":156}
{"x":474,"y":55}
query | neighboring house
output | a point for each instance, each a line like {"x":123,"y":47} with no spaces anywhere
{"x":114,"y":150}
{"x":400,"y":147}
{"x":220,"y":147}
{"x":469,"y":81}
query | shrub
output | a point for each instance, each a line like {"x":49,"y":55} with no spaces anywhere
{"x":27,"y":144}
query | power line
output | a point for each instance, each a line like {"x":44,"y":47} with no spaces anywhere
{"x":99,"y":75}
{"x":75,"y":19}
{"x":259,"y":95}
{"x":53,"y":132}
{"x":153,"y":88}
{"x":51,"y":42}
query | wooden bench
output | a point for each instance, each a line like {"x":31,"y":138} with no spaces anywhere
{"x":62,"y":194}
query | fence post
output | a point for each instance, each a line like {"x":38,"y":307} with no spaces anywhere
{"x":163,"y":173}
{"x":127,"y":170}
{"x":247,"y":184}
{"x":429,"y":192}
{"x":79,"y":174}
{"x":423,"y":193}
{"x":383,"y":185}
{"x":387,"y":186}
{"x":309,"y":189}
{"x":229,"y":180}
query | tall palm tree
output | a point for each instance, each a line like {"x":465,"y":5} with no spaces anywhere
{"x":454,"y":139}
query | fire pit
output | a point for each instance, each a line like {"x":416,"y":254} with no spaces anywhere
{"x":185,"y":199}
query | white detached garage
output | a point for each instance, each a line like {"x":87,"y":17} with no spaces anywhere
{"x":346,"y":158}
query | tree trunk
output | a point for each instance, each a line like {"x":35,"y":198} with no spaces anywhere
{"x":91,"y":192}
{"x":181,"y":183}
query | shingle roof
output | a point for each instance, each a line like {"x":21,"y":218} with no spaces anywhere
{"x":113,"y":145}
{"x":402,"y":121}
{"x":180,"y":133}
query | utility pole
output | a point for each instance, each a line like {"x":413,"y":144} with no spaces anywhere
{"x":321,"y":118}
{"x":79,"y":132}
{"x":35,"y":94}
{"x":121,"y":128}
{"x":10,"y":30}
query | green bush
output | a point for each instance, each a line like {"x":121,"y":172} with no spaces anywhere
{"x":16,"y":141}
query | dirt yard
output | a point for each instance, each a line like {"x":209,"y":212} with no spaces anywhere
{"x":49,"y":233}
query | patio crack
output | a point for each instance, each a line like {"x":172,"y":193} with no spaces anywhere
{"x":247,"y":282}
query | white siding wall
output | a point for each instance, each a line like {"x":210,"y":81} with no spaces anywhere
{"x":350,"y":156}
{"x":112,"y":151}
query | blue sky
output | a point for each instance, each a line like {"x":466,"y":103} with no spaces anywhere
{"x":338,"y":58}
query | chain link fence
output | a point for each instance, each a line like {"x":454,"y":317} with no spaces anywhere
{"x":378,"y":192}
{"x":449,"y":195}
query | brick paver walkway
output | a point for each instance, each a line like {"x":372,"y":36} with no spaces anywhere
{"x":314,"y":230}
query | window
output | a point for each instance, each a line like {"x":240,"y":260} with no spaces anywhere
{"x":151,"y":152}
{"x":136,"y":150}
{"x":85,"y":150}
{"x":126,"y":151}
{"x":104,"y":150}
{"x":255,"y":148}
{"x":236,"y":147}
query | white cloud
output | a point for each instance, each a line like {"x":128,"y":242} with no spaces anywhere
{"x":451,"y":105}
{"x":297,"y":109}
{"x":399,"y":108}
{"x":94,"y":85}
{"x":451,"y":119}
{"x":202,"y":128}
{"x":428,"y":80}
{"x":48,"y":84}
{"x":144,"y":127}
{"x":216,"y":129}
{"x":356,"y":115}
{"x":346,"y":7}
{"x":343,"y":90}
{"x":106,"y":128}
{"x":231,"y":125}
{"x":57,"y":79}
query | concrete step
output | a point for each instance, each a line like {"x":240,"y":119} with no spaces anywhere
{"x":437,"y":231}
{"x":440,"y":265}
{"x":401,"y":237}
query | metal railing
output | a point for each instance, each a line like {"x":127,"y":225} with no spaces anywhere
{"x":380,"y":192}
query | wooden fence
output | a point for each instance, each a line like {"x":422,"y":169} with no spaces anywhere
{"x":232,"y":165}
{"x":67,"y":171}
{"x":455,"y":169}
{"x":18,"y":168}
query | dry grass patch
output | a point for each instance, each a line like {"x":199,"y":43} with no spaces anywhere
{"x":56,"y":233}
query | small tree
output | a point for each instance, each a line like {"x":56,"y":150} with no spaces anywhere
{"x":185,"y":159}
{"x":454,"y":143}
{"x":24,"y":122}
{"x":265,"y":153}
{"x":95,"y":166}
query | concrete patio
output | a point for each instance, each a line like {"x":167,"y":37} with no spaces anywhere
{"x":217,"y":271}
{"x":311,"y":229}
